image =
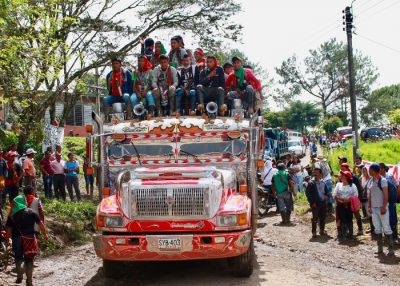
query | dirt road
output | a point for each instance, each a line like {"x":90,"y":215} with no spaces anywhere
{"x":285,"y":256}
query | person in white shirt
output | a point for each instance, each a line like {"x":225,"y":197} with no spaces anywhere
{"x":59,"y":176}
{"x":268,"y":172}
{"x":297,"y":170}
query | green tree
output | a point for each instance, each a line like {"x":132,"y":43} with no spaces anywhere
{"x":330,"y":124}
{"x":323,"y":75}
{"x":46,"y":46}
{"x":394,"y":117}
{"x":297,"y":116}
{"x":343,"y":115}
{"x":379,"y":102}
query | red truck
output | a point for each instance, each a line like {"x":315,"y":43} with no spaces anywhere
{"x":176,"y":189}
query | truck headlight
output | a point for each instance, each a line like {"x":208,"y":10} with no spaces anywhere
{"x":227,"y":220}
{"x":113,"y":221}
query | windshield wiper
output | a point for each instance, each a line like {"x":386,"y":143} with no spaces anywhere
{"x":189,"y":154}
{"x":137,"y":153}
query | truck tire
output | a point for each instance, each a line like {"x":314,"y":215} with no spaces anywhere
{"x":242,"y":265}
{"x":112,"y":269}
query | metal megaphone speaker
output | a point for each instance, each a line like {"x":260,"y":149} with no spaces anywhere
{"x":139,"y":109}
{"x":212,"y":107}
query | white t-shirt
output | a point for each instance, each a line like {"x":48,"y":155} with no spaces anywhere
{"x":268,"y":173}
{"x":297,"y":169}
{"x":345,"y":191}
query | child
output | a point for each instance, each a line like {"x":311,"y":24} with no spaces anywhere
{"x":89,"y":178}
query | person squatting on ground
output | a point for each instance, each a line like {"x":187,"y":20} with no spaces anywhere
{"x":20,"y":226}
{"x":164,"y":84}
{"x":283,"y":188}
{"x":71,"y":169}
{"x":378,"y":206}
{"x":317,"y":195}
{"x":119,"y":87}
{"x":344,"y":190}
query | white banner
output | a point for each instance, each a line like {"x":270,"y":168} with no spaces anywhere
{"x":53,"y":135}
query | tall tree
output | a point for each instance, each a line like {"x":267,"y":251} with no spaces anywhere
{"x":379,"y":102}
{"x":47,"y":45}
{"x":297,"y":116}
{"x":323,"y":75}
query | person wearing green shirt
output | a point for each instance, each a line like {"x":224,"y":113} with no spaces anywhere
{"x":283,"y":188}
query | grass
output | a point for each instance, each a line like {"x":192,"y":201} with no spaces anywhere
{"x":77,"y":219}
{"x":387,"y":151}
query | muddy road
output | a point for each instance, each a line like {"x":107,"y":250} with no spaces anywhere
{"x":285,"y":256}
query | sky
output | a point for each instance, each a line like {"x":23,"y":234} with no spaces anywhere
{"x":276,"y":29}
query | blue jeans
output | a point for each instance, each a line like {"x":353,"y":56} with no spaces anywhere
{"x":299,"y":183}
{"x":47,"y":184}
{"x":111,"y":99}
{"x":149,"y":99}
{"x":180,"y":99}
{"x":329,"y":186}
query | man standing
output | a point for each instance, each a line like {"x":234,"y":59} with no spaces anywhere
{"x":29,"y":169}
{"x":59,"y":177}
{"x":326,"y":170}
{"x":3,"y":174}
{"x":378,"y":206}
{"x":14,"y":174}
{"x":71,"y":169}
{"x":282,"y":186}
{"x":188,"y":77}
{"x":119,"y":86}
{"x":47,"y":173}
{"x":242,"y":84}
{"x":165,"y":81}
{"x":212,"y":85}
{"x":317,"y":196}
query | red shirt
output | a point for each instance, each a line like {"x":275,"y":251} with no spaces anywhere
{"x":249,"y":77}
{"x":116,"y":80}
{"x":45,"y":164}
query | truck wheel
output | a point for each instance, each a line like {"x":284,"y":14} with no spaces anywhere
{"x":112,"y":269}
{"x":242,"y":265}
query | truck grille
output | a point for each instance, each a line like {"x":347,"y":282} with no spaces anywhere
{"x":166,"y":202}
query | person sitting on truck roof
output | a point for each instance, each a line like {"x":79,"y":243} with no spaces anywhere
{"x":243,"y":84}
{"x":177,"y":51}
{"x":147,"y":47}
{"x":188,"y":76}
{"x":211,"y":85}
{"x":159,"y":50}
{"x":164,"y":83}
{"x":142,"y":79}
{"x":199,"y":57}
{"x":119,"y":86}
{"x":228,"y":69}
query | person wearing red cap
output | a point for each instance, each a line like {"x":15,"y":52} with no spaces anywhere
{"x":199,"y":57}
{"x":142,"y":91}
{"x":356,"y":182}
{"x":343,"y":191}
{"x":13,"y":177}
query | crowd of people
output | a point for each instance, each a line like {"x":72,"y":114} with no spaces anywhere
{"x":18,"y":182}
{"x":180,"y":82}
{"x":365,"y":194}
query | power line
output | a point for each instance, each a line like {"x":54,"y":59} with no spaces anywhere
{"x":364,"y":3}
{"x":369,"y":8}
{"x":378,"y":43}
{"x":380,"y":11}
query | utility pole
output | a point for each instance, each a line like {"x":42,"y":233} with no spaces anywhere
{"x":348,"y":22}
{"x":97,"y":91}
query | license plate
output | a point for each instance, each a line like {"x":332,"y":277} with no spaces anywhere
{"x":169,"y":243}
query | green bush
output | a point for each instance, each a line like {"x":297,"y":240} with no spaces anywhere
{"x":76,"y":145}
{"x":71,"y":212}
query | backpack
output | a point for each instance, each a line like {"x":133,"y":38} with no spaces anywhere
{"x":392,"y":191}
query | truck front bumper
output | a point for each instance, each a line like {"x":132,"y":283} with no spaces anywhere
{"x":192,"y":246}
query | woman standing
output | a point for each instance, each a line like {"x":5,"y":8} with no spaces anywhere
{"x":344,"y":215}
{"x":297,"y":170}
{"x":71,"y":180}
{"x":20,"y":226}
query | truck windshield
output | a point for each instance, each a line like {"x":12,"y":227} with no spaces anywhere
{"x":233,"y":147}
{"x":120,"y":150}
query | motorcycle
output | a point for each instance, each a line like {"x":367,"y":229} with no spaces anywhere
{"x":266,"y":200}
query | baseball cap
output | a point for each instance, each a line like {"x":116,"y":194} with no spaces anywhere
{"x":375,"y":167}
{"x":236,"y":58}
{"x":30,"y":151}
{"x":345,"y":165}
{"x":344,"y":159}
{"x":12,"y":153}
{"x":27,"y":146}
{"x":347,"y":174}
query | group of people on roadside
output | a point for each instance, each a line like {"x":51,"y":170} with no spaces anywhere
{"x":180,"y":82}
{"x":365,"y":193}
